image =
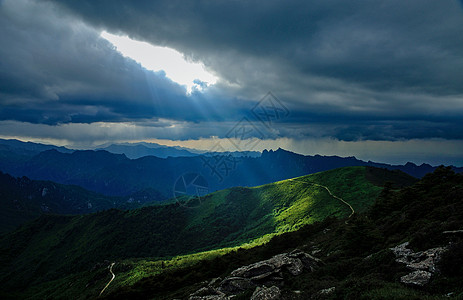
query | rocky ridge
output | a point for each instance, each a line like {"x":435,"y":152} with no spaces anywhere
{"x":421,"y":263}
{"x":265,"y":277}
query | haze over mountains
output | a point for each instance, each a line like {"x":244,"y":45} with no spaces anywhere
{"x":137,"y":150}
{"x":117,"y":175}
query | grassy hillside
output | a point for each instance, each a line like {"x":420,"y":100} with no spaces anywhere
{"x":356,"y":255}
{"x":37,"y":255}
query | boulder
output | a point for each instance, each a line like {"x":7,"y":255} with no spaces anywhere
{"x":421,"y":263}
{"x":293,"y":262}
{"x":235,"y":285}
{"x":296,"y":267}
{"x":402,"y":252}
{"x":260,"y":274}
{"x":265,"y":293}
{"x":417,"y":278}
{"x":310,"y":263}
{"x":256,"y":269}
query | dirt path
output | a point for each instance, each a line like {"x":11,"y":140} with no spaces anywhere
{"x":331,"y":194}
{"x":114,"y":276}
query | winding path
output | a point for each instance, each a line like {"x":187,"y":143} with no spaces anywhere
{"x":331,"y":194}
{"x":114,"y":276}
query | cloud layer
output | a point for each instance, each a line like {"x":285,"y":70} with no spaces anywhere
{"x":357,"y":70}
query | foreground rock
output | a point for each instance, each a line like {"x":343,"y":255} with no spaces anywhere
{"x":422,"y":263}
{"x":265,"y":277}
{"x":418,"y":278}
{"x":265,"y":293}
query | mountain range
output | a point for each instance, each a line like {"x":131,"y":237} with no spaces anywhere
{"x":137,"y":150}
{"x":117,"y":175}
{"x":141,"y":149}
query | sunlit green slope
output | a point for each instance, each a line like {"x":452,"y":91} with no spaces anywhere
{"x":53,"y":246}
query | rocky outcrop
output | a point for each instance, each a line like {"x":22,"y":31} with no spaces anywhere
{"x":422,"y":263}
{"x":418,"y":278}
{"x":264,"y":276}
{"x":265,"y":293}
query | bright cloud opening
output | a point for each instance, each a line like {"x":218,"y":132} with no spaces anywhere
{"x":155,"y":58}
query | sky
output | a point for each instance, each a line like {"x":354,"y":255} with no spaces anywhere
{"x":379,"y":80}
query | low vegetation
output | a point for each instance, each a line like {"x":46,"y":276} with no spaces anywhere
{"x":166,"y":251}
{"x":358,"y":262}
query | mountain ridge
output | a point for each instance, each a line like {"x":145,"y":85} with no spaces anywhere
{"x":140,"y":150}
{"x":117,"y":175}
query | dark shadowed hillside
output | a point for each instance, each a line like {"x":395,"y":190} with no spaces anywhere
{"x":22,"y":199}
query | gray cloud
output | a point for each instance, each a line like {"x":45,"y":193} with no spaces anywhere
{"x":351,"y":70}
{"x":411,"y":44}
{"x":56,"y":69}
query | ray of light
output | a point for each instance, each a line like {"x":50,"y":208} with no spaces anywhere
{"x":155,"y":58}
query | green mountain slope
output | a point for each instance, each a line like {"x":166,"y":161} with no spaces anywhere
{"x":357,"y":260}
{"x":51,"y":246}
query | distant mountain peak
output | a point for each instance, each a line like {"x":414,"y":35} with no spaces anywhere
{"x":138,"y":150}
{"x":279,"y":152}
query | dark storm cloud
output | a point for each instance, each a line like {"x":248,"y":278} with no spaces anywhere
{"x":381,"y":44}
{"x":56,"y":69}
{"x":383,"y":60}
{"x":345,"y":69}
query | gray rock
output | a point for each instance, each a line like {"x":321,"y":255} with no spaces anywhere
{"x":235,"y":285}
{"x":264,"y":276}
{"x":421,"y":260}
{"x":422,"y":263}
{"x":293,"y":262}
{"x":295,"y":267}
{"x":256,"y":269}
{"x":401,"y":252}
{"x":327,"y":291}
{"x":418,"y":278}
{"x":265,"y":293}
{"x":263,"y":273}
{"x":215,"y":281}
{"x":310,"y":263}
